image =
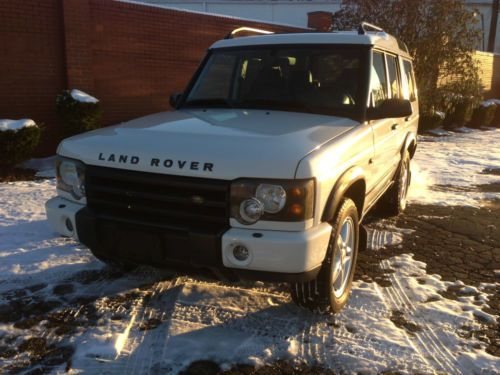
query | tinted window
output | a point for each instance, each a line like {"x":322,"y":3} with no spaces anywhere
{"x":304,"y":79}
{"x":409,"y":88}
{"x":378,"y":82}
{"x":392,"y":67}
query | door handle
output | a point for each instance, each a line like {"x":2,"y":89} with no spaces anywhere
{"x":394,"y":126}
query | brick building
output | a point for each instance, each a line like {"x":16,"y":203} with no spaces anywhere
{"x":294,"y":12}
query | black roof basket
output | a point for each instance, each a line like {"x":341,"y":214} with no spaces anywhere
{"x":248,"y":29}
{"x":362,"y":28}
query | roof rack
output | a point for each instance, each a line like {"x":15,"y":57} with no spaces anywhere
{"x":250,"y":29}
{"x":362,"y":28}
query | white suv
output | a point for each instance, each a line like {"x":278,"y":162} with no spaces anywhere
{"x":275,"y":152}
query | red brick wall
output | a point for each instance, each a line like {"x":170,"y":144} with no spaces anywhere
{"x":77,"y":44}
{"x":129,"y":56}
{"x":32,"y":62}
{"x":141,"y":54}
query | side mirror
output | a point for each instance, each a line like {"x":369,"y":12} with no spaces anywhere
{"x":175,"y":99}
{"x":390,"y":108}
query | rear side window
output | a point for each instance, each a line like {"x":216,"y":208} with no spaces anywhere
{"x":409,"y":87}
{"x":378,"y":81}
{"x":392,"y":68}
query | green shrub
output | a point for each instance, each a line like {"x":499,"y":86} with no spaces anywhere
{"x":17,"y":146}
{"x":483,"y":115}
{"x":429,"y":121}
{"x":77,"y":116}
{"x":459,"y":114}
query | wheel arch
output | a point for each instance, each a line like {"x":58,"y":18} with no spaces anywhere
{"x":410,"y":144}
{"x":351,"y":184}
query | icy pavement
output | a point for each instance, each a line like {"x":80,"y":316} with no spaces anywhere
{"x":61,"y":310}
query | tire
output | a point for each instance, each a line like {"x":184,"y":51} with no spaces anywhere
{"x":394,"y":201}
{"x":330,"y":290}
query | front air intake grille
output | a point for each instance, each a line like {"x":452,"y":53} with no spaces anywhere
{"x":157,"y":199}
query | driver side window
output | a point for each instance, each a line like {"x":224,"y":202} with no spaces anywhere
{"x":378,"y":80}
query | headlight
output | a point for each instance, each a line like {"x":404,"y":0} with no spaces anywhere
{"x":251,"y":210}
{"x":273,"y":200}
{"x":273,"y":197}
{"x":71,"y":177}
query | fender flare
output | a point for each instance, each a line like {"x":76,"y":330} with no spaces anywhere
{"x":345,"y":181}
{"x":410,"y":138}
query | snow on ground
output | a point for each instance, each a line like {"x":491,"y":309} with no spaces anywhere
{"x":82,"y":97}
{"x":15,"y":124}
{"x":448,"y":169}
{"x":29,"y":251}
{"x":239,"y":325}
{"x":407,"y":327}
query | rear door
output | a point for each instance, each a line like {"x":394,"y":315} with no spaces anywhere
{"x":410,"y":93}
{"x":383,"y":133}
{"x":398,"y":125}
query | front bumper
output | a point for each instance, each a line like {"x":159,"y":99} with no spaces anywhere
{"x":273,"y":255}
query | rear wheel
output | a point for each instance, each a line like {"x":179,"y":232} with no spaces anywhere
{"x":394,"y":201}
{"x":330,"y":290}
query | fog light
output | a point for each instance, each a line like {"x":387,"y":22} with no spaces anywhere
{"x":251,"y":210}
{"x":69,"y":225}
{"x":241,"y":253}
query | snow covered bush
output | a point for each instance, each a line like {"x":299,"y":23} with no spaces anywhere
{"x":18,"y":140}
{"x":483,"y":115}
{"x":459,"y":114}
{"x":429,"y":121}
{"x":78,"y":111}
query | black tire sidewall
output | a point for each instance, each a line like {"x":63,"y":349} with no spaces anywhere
{"x":347,"y":209}
{"x":405,"y":160}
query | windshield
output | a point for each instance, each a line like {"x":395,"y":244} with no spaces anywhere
{"x":324,"y":79}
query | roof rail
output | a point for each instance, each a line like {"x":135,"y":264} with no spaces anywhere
{"x":364,"y":25}
{"x":251,"y":29}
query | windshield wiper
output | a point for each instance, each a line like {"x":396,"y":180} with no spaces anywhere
{"x":218,"y":102}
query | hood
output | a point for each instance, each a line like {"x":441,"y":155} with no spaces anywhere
{"x":212,"y":143}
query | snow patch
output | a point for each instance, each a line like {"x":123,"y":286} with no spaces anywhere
{"x":439,"y":132}
{"x":29,"y":250}
{"x":82,"y":97}
{"x":15,"y":125}
{"x":45,"y":167}
{"x":379,"y":239}
{"x":446,"y":170}
{"x":490,"y":102}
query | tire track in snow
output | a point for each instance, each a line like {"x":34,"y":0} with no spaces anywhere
{"x":425,"y":341}
{"x":136,"y":348}
{"x":143,"y":347}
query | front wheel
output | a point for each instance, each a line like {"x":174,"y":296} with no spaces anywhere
{"x":330,"y":290}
